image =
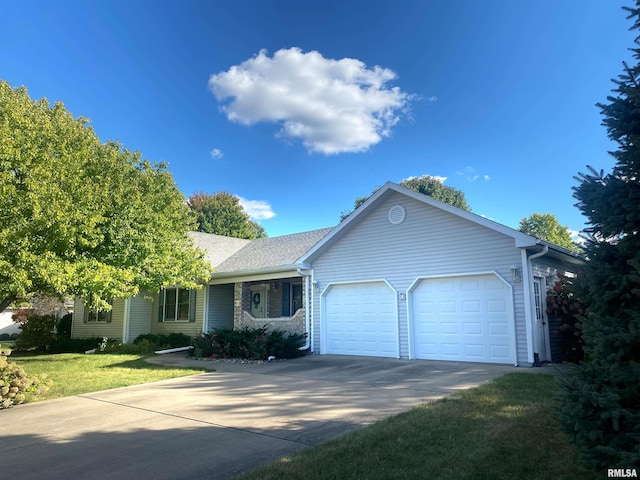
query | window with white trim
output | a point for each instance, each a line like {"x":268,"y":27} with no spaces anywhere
{"x":177,"y":305}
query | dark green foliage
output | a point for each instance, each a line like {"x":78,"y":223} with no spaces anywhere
{"x":64,"y":344}
{"x":221,"y":213}
{"x":64,"y":326}
{"x":564,"y":306}
{"x":37,"y":331}
{"x":5,"y":336}
{"x":601,"y":397}
{"x":249,"y":343}
{"x":163,"y":342}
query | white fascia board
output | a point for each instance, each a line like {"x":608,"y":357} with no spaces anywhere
{"x":269,"y":273}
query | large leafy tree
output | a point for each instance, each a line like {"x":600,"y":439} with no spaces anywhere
{"x":601,"y":396}
{"x":545,"y":226}
{"x":426,"y":185}
{"x":222,"y":214}
{"x":81,"y":217}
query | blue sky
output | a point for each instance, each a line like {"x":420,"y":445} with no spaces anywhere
{"x":298,"y":107}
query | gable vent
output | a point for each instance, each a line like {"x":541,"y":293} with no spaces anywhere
{"x":396,"y":214}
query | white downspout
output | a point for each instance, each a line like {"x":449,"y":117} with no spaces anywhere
{"x":527,"y":278}
{"x":126,"y":320}
{"x":307,"y":310}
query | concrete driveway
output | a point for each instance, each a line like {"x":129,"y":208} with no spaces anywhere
{"x":219,"y":424}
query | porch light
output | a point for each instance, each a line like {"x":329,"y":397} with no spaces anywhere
{"x":516,"y":275}
{"x":316,"y":287}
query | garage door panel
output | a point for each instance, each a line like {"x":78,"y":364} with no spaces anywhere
{"x":471,"y":321}
{"x":370,"y":328}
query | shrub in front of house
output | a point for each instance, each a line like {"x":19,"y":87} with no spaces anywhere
{"x":248,"y":343}
{"x":160,"y":341}
{"x":566,"y":309}
{"x":36,"y":331}
{"x":15,"y":384}
{"x":64,"y":326}
{"x":63,"y":344}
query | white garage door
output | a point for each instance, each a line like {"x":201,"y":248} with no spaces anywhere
{"x":360,"y":319}
{"x":466,"y":318}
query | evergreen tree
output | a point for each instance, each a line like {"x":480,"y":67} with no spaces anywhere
{"x":600,"y":401}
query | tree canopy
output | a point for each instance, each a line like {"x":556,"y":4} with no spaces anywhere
{"x":81,"y":217}
{"x":600,"y":401}
{"x":222,"y":214}
{"x":546,"y":226}
{"x":426,"y":185}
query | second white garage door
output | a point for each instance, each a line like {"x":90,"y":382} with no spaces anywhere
{"x":360,"y":319}
{"x":466,"y":318}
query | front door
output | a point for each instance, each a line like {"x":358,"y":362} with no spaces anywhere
{"x":259,"y":301}
{"x":541,"y":326}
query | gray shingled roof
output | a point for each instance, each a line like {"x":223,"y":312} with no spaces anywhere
{"x":217,"y":248}
{"x":271,"y":252}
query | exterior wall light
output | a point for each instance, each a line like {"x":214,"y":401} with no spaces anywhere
{"x":516,"y":274}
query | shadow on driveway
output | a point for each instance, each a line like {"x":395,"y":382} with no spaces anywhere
{"x":219,"y":424}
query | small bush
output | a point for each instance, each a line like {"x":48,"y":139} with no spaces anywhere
{"x":162,"y":341}
{"x":13,"y":336}
{"x":5,"y":336}
{"x":73,"y":345}
{"x":248,"y":343}
{"x":37,"y":331}
{"x":563,"y":305}
{"x":64,"y":326}
{"x":15,"y":384}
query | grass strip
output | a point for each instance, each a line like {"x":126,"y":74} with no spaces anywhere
{"x":75,"y":374}
{"x":505,"y":429}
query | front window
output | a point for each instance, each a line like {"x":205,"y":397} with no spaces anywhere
{"x":291,"y":298}
{"x":177,"y":305}
{"x":95,"y":316}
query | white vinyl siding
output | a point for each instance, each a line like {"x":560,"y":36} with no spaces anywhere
{"x":429,"y":242}
{"x":112,"y":329}
{"x":141,"y":316}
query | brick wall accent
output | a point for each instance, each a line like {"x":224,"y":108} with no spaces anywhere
{"x":295,"y":324}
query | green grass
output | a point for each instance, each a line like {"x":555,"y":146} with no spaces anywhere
{"x":74,"y":374}
{"x":502,"y":430}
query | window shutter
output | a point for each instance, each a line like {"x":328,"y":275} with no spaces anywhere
{"x":160,"y":304}
{"x":192,"y":305}
{"x":85,"y":316}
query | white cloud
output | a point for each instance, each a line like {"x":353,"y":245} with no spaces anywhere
{"x":471,"y":174}
{"x":432,"y":99}
{"x":257,"y":209}
{"x":216,"y":153}
{"x":332,"y":106}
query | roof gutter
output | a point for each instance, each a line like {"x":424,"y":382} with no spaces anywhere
{"x":306,"y":272}
{"x":289,"y":267}
{"x":527,"y":278}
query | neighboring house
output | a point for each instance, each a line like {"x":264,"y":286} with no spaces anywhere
{"x":404,"y":276}
{"x":7,"y":325}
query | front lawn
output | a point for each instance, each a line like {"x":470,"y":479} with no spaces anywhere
{"x":74,"y":374}
{"x":502,"y":430}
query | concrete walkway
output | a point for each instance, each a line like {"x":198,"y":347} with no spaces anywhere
{"x":217,"y":425}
